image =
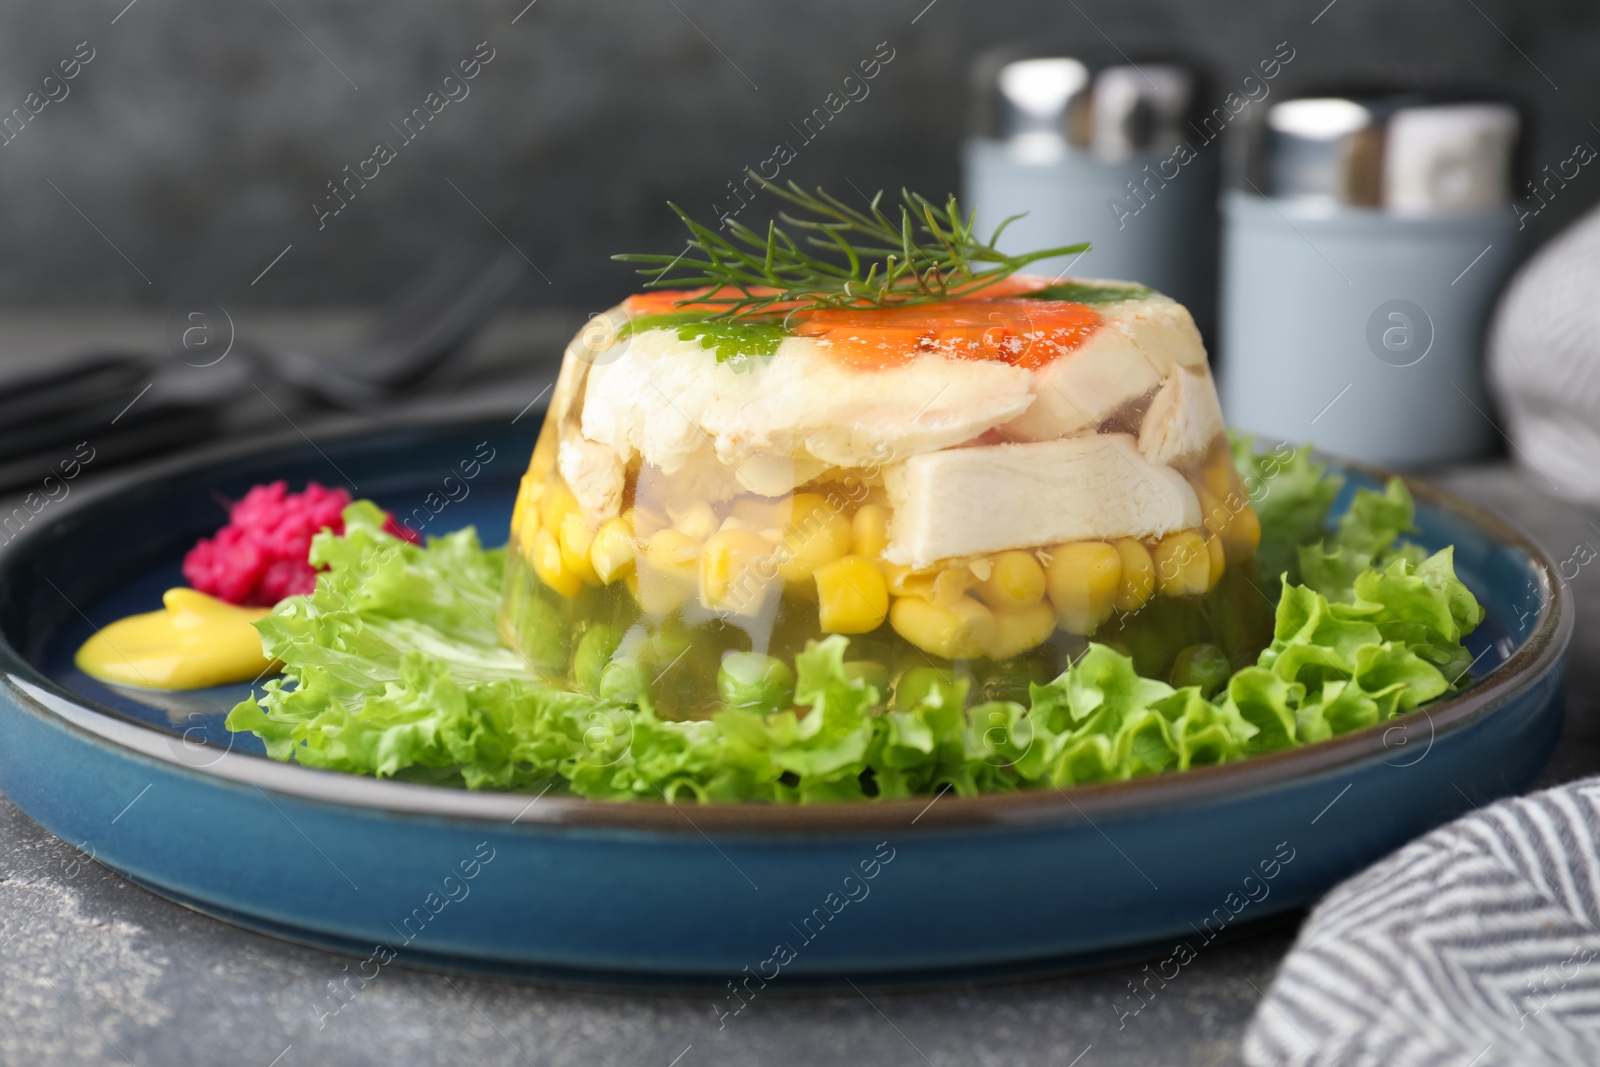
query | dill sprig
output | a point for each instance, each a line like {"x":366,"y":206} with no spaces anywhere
{"x":931,"y":254}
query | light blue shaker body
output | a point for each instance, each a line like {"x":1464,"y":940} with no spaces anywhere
{"x":1164,"y":237}
{"x":1359,"y":330}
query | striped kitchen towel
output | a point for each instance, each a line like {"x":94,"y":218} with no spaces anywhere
{"x":1477,"y":945}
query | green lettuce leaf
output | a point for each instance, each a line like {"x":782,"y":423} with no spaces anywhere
{"x":394,"y":667}
{"x":1291,"y":495}
{"x":1367,"y":536}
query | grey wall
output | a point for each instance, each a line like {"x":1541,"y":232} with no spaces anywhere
{"x":200,"y":135}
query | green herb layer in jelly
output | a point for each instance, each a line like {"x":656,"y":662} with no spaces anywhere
{"x":1079,"y":293}
{"x":729,"y":340}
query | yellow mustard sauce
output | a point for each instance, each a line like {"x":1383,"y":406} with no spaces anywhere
{"x":196,"y":641}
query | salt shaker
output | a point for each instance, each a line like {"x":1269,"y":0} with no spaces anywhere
{"x":1363,"y":250}
{"x":1089,"y":151}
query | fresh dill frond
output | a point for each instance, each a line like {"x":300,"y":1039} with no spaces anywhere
{"x":838,"y":257}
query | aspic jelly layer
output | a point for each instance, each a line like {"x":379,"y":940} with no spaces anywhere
{"x":978,"y":486}
{"x":755,"y":573}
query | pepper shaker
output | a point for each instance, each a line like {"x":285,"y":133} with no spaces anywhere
{"x":1089,"y":151}
{"x":1363,"y":250}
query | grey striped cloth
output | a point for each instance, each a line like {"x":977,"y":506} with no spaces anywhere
{"x":1477,"y":945}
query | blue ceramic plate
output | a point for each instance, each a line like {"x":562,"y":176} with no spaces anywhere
{"x":153,"y":785}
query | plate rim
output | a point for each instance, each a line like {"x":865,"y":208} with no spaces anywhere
{"x":32,"y":691}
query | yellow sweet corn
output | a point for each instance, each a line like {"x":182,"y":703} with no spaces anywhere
{"x":612,"y":551}
{"x":1243,"y":535}
{"x":672,"y":553}
{"x":542,"y":464}
{"x":576,"y":537}
{"x":668,"y":571}
{"x":852,"y":597}
{"x":1083,"y":580}
{"x":817,"y":534}
{"x":961,"y":630}
{"x":548,"y":565}
{"x":697,"y":520}
{"x":644,"y":522}
{"x":943,"y":586}
{"x":1231,"y":518}
{"x":1015,"y":581}
{"x":870,"y":530}
{"x":1214,"y":514}
{"x":1218,"y":557}
{"x":525,"y":528}
{"x":554,"y":505}
{"x":1138,"y":580}
{"x":1183,"y":564}
{"x":731,"y":576}
{"x":1015,"y":632}
{"x":1220,"y":475}
{"x":525,"y":513}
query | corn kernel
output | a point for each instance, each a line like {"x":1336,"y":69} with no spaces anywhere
{"x":523,"y":534}
{"x":960,"y":631}
{"x":943,"y":586}
{"x":1214,"y":514}
{"x":576,"y":537}
{"x":1230,"y":517}
{"x":732,"y":577}
{"x":1218,"y":557}
{"x":548,"y":565}
{"x":1016,"y":581}
{"x":542,"y":464}
{"x":797,"y":507}
{"x":903,"y":581}
{"x":669,"y":571}
{"x":1183,"y":564}
{"x":644,"y":522}
{"x":1018,"y":631}
{"x":674,"y":554}
{"x":697,"y":520}
{"x":870,"y":530}
{"x":1243,"y":535}
{"x":817,"y":536}
{"x":1083,"y":580}
{"x":612,"y":551}
{"x":525,"y":513}
{"x":1138,"y":581}
{"x":554,"y":504}
{"x":852,"y":597}
{"x":1220,"y":475}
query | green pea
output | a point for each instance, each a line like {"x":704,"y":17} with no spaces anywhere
{"x":595,"y":649}
{"x":754,"y":681}
{"x":930,"y":685}
{"x":626,"y":681}
{"x":1201,"y":665}
{"x":872,"y":672}
{"x":542,"y":635}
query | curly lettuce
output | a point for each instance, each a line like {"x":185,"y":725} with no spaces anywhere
{"x":394,"y":667}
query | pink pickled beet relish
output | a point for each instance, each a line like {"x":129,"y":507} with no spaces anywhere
{"x":260,"y":556}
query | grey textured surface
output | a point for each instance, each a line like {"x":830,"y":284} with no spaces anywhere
{"x":98,"y":971}
{"x":95,"y":970}
{"x":199,"y":136}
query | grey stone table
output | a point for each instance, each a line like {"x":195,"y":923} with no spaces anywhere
{"x":95,"y":970}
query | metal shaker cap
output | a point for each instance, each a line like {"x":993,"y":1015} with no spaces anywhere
{"x":1404,"y":154}
{"x":1047,"y":106}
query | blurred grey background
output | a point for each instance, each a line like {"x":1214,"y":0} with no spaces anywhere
{"x":200,"y":135}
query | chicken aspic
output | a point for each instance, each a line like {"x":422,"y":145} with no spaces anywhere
{"x":979,"y":484}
